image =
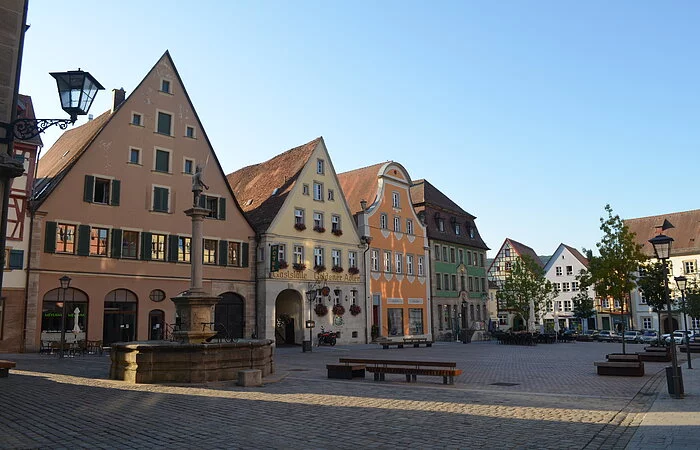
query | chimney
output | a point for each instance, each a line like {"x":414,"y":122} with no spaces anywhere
{"x":118,"y":96}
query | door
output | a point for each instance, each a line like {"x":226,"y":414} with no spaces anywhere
{"x":119,"y":317}
{"x":228,"y":316}
{"x":156,"y":323}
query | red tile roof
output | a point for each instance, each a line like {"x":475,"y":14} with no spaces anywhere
{"x":25,"y":110}
{"x":360,"y":184}
{"x":523,"y":250}
{"x":686,"y":233}
{"x":577,"y":254}
{"x":254,"y":185}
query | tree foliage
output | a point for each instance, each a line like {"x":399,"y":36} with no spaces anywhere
{"x":526,"y":282}
{"x":692,"y":300}
{"x":651,"y":285}
{"x":583,"y":302}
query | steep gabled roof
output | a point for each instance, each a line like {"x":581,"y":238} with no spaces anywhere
{"x":423,"y":192}
{"x":261,"y":189}
{"x":25,"y":110}
{"x":685,"y":234}
{"x":360,"y":184}
{"x":577,"y":254}
{"x":522,"y":250}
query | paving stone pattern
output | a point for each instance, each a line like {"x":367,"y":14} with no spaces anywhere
{"x":558,"y":402}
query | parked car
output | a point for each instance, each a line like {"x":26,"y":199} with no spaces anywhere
{"x":632,"y":335}
{"x":608,"y":336}
{"x":679,"y":337}
{"x":649,"y":337}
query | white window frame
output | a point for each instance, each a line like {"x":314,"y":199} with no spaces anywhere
{"x":336,"y":258}
{"x":194,"y":131}
{"x":320,"y":167}
{"x":395,"y":199}
{"x":409,"y":264}
{"x":409,"y":226}
{"x":352,"y":259}
{"x":421,"y":266}
{"x":318,"y":256}
{"x":383,"y":221}
{"x":374,"y":259}
{"x":558,"y":271}
{"x":398,"y":263}
{"x":299,"y":216}
{"x":387,"y":261}
{"x":305,"y":189}
{"x":397,"y":224}
{"x":318,"y":191}
{"x":184,"y":166}
{"x":298,"y":254}
{"x":318,"y":219}
{"x":136,"y":113}
{"x":170,"y":86}
{"x":170,"y":159}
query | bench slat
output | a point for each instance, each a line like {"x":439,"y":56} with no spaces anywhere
{"x":617,"y":364}
{"x":391,"y":362}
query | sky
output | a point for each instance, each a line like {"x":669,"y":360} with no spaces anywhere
{"x":530,"y":115}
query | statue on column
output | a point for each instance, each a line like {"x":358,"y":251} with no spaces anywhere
{"x":197,"y":184}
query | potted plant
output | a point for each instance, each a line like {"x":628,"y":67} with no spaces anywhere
{"x":299,"y":266}
{"x":320,"y":309}
{"x":283,"y":264}
{"x":338,"y":309}
{"x":353,"y":270}
{"x":337,"y":232}
{"x":319,"y":229}
{"x":320,"y":268}
{"x":355,"y":310}
{"x":300,"y":226}
{"x":337,"y":269}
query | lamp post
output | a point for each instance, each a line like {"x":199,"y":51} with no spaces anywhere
{"x":65,"y":284}
{"x":681,"y":283}
{"x":464,"y":322}
{"x":310,"y":324}
{"x":662,"y":249}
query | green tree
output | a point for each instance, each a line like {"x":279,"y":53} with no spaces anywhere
{"x":652,"y":287}
{"x":612,"y":273}
{"x":692,"y":300}
{"x":583,"y":303}
{"x":526,"y":287}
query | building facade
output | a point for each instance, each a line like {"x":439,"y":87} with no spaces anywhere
{"x":306,"y":241}
{"x":397,"y":253}
{"x":108,"y":212}
{"x":459,"y":286}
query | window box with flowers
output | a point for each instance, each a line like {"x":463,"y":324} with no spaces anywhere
{"x":319,"y":229}
{"x":320,"y":309}
{"x":337,"y":269}
{"x":320,"y":268}
{"x":355,"y":310}
{"x":283,"y":264}
{"x":337,"y":232}
{"x":338,"y":309}
{"x":299,"y":266}
{"x":300,"y":226}
{"x":353,"y":270}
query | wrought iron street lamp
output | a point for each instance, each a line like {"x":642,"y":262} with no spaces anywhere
{"x":662,"y":249}
{"x":65,"y":284}
{"x":681,"y":283}
{"x":306,"y":346}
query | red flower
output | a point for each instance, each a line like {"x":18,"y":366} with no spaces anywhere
{"x":338,"y":309}
{"x":321,"y":309}
{"x":355,"y":310}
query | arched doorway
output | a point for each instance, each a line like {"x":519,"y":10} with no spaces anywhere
{"x":289,"y":318}
{"x":119,"y":316}
{"x":156,"y":324}
{"x":52,"y":310}
{"x":229,"y":317}
{"x":673,"y":325}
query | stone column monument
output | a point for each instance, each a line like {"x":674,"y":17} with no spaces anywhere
{"x":196,"y":306}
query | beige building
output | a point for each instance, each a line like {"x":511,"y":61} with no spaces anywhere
{"x":109,"y":214}
{"x":306,"y":242}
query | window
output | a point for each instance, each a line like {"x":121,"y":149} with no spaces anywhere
{"x":444,"y":254}
{"x":234,"y":252}
{"x":567,"y":305}
{"x":318,"y":220}
{"x":158,"y":247}
{"x":189,"y":132}
{"x":446,"y":281}
{"x":331,"y":195}
{"x":695,"y":323}
{"x":565,"y":287}
{"x":617,"y":304}
{"x":298,"y":254}
{"x":471,"y":284}
{"x":460,"y":255}
{"x":305,"y":189}
{"x":689,"y":266}
{"x":646,"y":323}
{"x":437,"y":252}
{"x":415,"y":321}
{"x":335,"y":223}
{"x":506,"y":252}
{"x":481,"y":260}
{"x":101,"y":194}
{"x":335,"y":256}
{"x":397,"y":224}
{"x":136,"y":119}
{"x":318,"y":192}
{"x":409,"y":264}
{"x":209,"y":254}
{"x":469,"y":258}
{"x":162,"y":161}
{"x":188,"y":167}
{"x":438,"y":281}
{"x":165,"y":86}
{"x":318,"y":256}
{"x":134,"y":155}
{"x":165,"y":122}
{"x":383,"y":221}
{"x":483,"y":285}
{"x":319,"y":166}
{"x":452,"y":255}
{"x":569,"y":270}
{"x":395,"y":321}
{"x":458,"y":229}
{"x":557,"y":286}
{"x":387,"y":261}
{"x":212,"y":204}
{"x":453,"y":282}
{"x":507,"y":266}
{"x":98,"y":241}
{"x":421,"y":269}
{"x":441,"y":225}
{"x":130,"y":244}
{"x":398,"y":257}
{"x":409,"y":226}
{"x":574,"y":286}
{"x":160,"y":199}
{"x":395,"y":200}
{"x":298,"y":216}
{"x":558,"y":270}
{"x":352,"y":259}
{"x":65,"y":238}
{"x":374,"y":257}
{"x":183,"y":248}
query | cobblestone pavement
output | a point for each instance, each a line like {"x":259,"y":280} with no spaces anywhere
{"x":556,"y":401}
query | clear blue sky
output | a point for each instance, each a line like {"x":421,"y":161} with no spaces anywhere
{"x":531,"y":115}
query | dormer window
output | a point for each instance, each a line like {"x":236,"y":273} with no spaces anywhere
{"x":471,"y":232}
{"x":458,"y":229}
{"x":441,"y":225}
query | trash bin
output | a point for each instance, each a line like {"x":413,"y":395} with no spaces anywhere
{"x":466,"y":337}
{"x":669,"y":381}
{"x":306,"y":346}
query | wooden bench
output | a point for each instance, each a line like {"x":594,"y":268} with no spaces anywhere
{"x":655,"y":354}
{"x":417,"y":342}
{"x":694,"y":348}
{"x":622,"y":357}
{"x":620,"y":368}
{"x":346,"y":371}
{"x":386,"y":344}
{"x":381,"y":367}
{"x":5,"y":367}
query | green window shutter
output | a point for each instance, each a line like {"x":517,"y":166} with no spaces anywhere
{"x":50,"y":237}
{"x":89,"y":188}
{"x":156,"y":199}
{"x":223,"y":253}
{"x":83,"y":240}
{"x":172,"y":248}
{"x":116,"y":186}
{"x":16,"y":259}
{"x":116,"y":243}
{"x":222,"y":208}
{"x":244,"y":254}
{"x":164,"y":193}
{"x":146,"y":246}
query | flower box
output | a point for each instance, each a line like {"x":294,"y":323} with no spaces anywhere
{"x":300,"y":226}
{"x":283,"y":264}
{"x":355,"y":310}
{"x":320,"y":229}
{"x":337,"y":232}
{"x":353,"y":270}
{"x":337,"y":269}
{"x":299,"y":266}
{"x":320,"y":309}
{"x":338,"y":309}
{"x":319,"y":268}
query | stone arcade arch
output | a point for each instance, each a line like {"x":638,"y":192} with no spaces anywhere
{"x":52,"y":308}
{"x":289,"y":318}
